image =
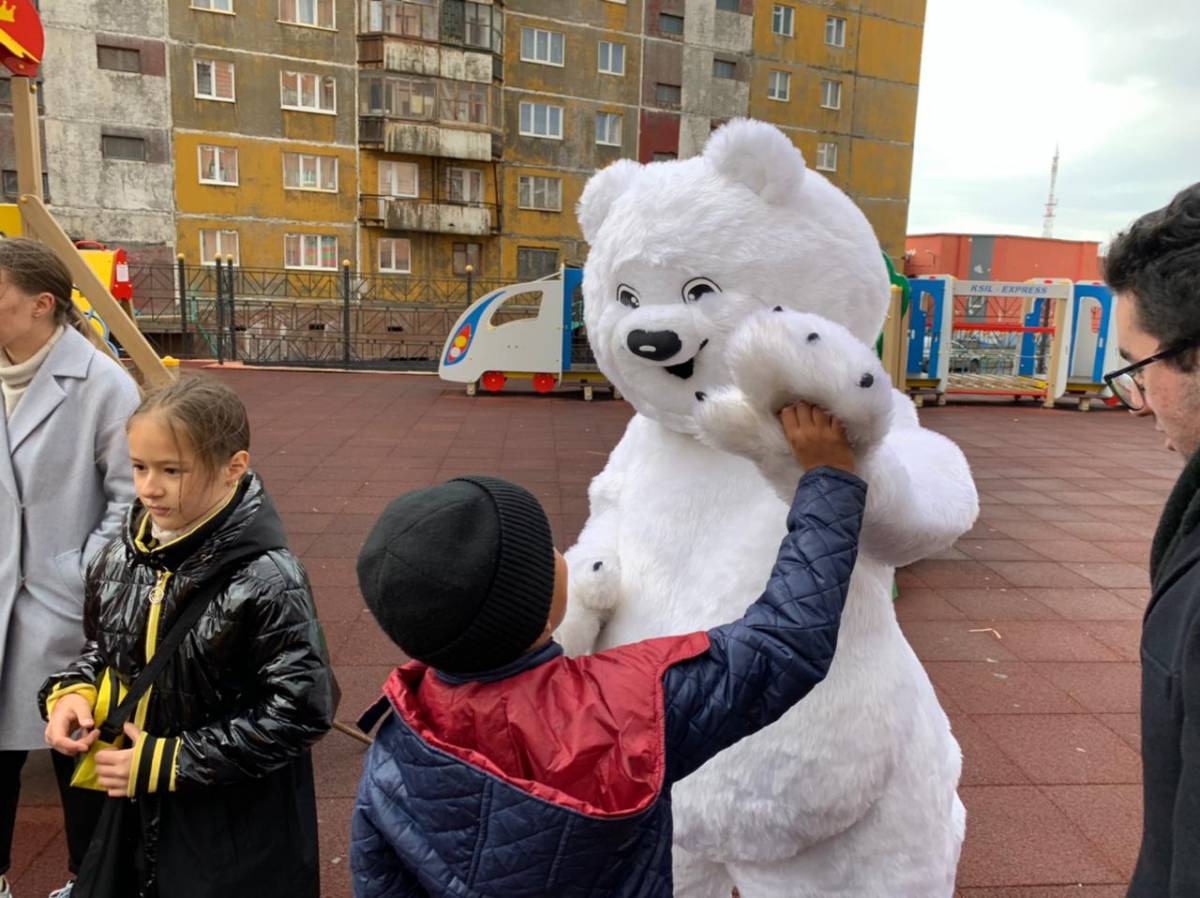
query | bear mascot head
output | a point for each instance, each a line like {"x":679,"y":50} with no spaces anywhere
{"x":681,"y":252}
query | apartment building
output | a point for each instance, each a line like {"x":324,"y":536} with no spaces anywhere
{"x":429,"y":137}
{"x":264,"y":127}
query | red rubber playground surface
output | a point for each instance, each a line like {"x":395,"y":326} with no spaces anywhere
{"x":1028,"y":627}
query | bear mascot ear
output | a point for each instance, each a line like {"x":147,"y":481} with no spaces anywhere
{"x":603,"y":189}
{"x":758,"y":156}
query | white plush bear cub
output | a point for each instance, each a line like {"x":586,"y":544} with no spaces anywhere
{"x":718,"y":289}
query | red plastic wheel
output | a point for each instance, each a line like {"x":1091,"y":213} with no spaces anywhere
{"x":544,"y":383}
{"x":493,"y":381}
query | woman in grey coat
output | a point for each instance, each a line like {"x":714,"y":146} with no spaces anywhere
{"x":65,"y":480}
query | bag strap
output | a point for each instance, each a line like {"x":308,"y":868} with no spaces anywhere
{"x":114,"y":724}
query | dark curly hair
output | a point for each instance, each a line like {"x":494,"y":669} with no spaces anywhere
{"x":1157,"y":260}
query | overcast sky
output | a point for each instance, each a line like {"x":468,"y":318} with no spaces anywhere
{"x":1115,"y":82}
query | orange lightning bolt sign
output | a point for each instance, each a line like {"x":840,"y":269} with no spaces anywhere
{"x":21,"y":39}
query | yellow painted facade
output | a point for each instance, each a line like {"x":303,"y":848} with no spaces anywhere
{"x":262,"y":207}
{"x":878,"y":69}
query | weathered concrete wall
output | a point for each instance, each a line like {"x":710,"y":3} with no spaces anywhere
{"x":122,"y":202}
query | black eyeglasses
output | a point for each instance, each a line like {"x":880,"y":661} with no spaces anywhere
{"x":1126,"y":383}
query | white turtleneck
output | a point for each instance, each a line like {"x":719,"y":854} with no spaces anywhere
{"x":15,"y":379}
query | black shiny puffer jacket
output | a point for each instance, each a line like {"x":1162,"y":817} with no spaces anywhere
{"x":249,"y":690}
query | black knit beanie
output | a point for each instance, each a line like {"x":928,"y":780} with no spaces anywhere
{"x":461,"y":575}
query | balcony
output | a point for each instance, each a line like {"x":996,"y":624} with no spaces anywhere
{"x":424,"y":139}
{"x":397,"y":54}
{"x":429,"y":216}
{"x":428,"y":116}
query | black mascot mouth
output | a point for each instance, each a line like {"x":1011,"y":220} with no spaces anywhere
{"x":684,"y":370}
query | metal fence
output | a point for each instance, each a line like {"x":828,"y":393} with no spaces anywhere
{"x":302,"y":318}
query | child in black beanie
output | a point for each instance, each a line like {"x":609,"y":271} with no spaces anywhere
{"x":508,"y":769}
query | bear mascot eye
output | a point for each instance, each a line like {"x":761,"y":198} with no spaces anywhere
{"x":697,"y":288}
{"x":627,"y":296}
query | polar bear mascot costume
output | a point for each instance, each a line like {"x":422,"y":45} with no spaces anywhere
{"x":717,"y":289}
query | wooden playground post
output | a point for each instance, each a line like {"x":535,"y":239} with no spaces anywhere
{"x":1062,"y":308}
{"x":895,"y":342}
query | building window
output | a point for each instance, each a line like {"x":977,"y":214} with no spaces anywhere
{"x":399,"y":179}
{"x":835,"y":31}
{"x":729,"y":5}
{"x":468,"y":254}
{"x":669,"y":24}
{"x":12,"y":186}
{"x":831,"y":94}
{"x":478,"y":31}
{"x":214,"y":80}
{"x":126,"y":149}
{"x":542,"y":47}
{"x":534,"y":192}
{"x":463,"y":101}
{"x":302,"y":171}
{"x":664,"y":157}
{"x":405,"y":18}
{"x":464,"y":185}
{"x":395,"y":255}
{"x":608,"y":129}
{"x":314,"y":13}
{"x":541,"y":120}
{"x":723,"y":68}
{"x":534,"y":263}
{"x":319,"y":251}
{"x":611,"y":58}
{"x":214,"y":5}
{"x":827,"y":156}
{"x":783,"y":21}
{"x":779,"y":86}
{"x":118,"y":59}
{"x":668,"y":94}
{"x":410,"y":98}
{"x":214,"y":244}
{"x":307,"y":92}
{"x":219,"y":165}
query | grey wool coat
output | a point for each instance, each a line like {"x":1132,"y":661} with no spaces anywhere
{"x":65,"y":481}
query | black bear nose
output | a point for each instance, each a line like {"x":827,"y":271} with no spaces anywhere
{"x":657,"y":346}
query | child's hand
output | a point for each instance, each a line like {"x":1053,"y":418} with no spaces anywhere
{"x":71,"y":713}
{"x":816,"y":439}
{"x":113,"y":765}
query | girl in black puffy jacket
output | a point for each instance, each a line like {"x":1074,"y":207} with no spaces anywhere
{"x":214,"y":773}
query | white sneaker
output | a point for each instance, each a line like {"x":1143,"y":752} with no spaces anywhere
{"x":5,"y":891}
{"x":64,"y":892}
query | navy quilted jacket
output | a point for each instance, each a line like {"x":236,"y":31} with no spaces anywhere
{"x":551,"y":778}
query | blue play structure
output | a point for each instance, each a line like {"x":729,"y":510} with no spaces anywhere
{"x":1092,"y":350}
{"x":925,"y":332}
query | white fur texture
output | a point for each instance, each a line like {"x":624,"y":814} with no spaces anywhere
{"x":760,"y":157}
{"x":852,"y":793}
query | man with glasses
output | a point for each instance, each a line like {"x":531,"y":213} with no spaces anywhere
{"x":1154,"y":270}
